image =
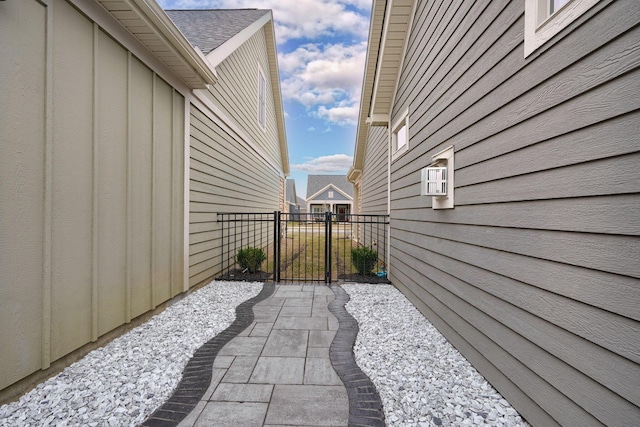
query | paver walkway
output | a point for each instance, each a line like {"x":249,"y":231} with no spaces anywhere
{"x":279,"y":371}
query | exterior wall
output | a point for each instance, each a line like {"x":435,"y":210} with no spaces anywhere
{"x":94,"y":194}
{"x":226,"y":176}
{"x":374,"y":198}
{"x":534,"y":275}
{"x":236,"y":165}
{"x":236,"y":94}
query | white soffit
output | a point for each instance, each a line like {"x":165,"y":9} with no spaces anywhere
{"x":394,"y":34}
{"x":147,"y":22}
{"x":375,"y":30}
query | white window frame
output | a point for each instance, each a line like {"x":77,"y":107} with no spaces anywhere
{"x":262,"y":99}
{"x":330,"y":195}
{"x":540,"y":26}
{"x":402,"y":122}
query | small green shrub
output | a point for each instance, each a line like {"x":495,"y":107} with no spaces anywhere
{"x":250,"y":259}
{"x":364,"y":259}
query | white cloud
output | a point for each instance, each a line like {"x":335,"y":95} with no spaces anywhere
{"x":326,"y":164}
{"x":326,"y":79}
{"x":339,"y":115}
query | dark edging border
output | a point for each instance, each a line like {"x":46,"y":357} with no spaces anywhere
{"x":365,"y":406}
{"x":196,"y":376}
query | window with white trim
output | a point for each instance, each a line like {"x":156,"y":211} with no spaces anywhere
{"x":262,"y":99}
{"x":546,"y":18}
{"x":400,"y":135}
{"x":331,"y":194}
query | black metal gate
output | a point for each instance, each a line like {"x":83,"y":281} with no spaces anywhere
{"x":300,"y":247}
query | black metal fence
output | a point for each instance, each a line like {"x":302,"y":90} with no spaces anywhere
{"x":304,"y":247}
{"x":245,"y":239}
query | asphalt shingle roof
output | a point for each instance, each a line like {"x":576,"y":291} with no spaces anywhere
{"x":316,"y":183}
{"x":209,"y":28}
{"x":291,"y":191}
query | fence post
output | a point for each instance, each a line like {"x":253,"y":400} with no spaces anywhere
{"x":327,"y":247}
{"x":276,"y":246}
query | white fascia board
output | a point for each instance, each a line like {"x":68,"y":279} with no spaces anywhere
{"x":272,"y":49}
{"x":114,"y":29}
{"x":383,"y":43}
{"x":222,"y":52}
{"x":325,"y":189}
{"x":362,"y":131}
{"x":412,"y":16}
{"x":193,"y":56}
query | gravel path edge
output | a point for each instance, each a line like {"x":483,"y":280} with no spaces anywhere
{"x":365,"y":405}
{"x":196,"y":376}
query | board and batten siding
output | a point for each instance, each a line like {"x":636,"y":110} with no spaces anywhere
{"x":534,"y":275}
{"x":226,"y":176}
{"x":236,"y":94}
{"x":91,"y":186}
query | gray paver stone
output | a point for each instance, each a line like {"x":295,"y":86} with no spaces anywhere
{"x":240,"y":370}
{"x":320,"y":372}
{"x":308,"y":405}
{"x":232,"y":414}
{"x":278,"y":370}
{"x":243,"y":346}
{"x":314,"y":323}
{"x":285,"y":342}
{"x":227,"y":392}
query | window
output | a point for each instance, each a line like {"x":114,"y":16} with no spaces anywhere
{"x":331,"y":194}
{"x":262,"y":99}
{"x":400,"y":135}
{"x":546,"y":18}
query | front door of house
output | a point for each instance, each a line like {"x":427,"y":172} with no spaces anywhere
{"x":343,"y":213}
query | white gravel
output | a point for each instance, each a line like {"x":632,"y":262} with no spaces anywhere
{"x":422,"y":379}
{"x":123,"y":382}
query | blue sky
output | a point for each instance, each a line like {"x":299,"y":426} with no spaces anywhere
{"x":321,"y":54}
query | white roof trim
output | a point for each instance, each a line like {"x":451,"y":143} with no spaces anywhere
{"x":191,"y":67}
{"x":325,"y":189}
{"x":222,"y":52}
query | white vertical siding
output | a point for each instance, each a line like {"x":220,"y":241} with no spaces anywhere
{"x":94,"y":191}
{"x":22,"y":198}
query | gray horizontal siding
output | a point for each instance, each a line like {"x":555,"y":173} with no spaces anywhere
{"x":225,"y":176}
{"x":237,"y":93}
{"x":534,"y":274}
{"x":375,"y":197}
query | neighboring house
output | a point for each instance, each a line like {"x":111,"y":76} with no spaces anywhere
{"x":329,"y":193}
{"x":238,"y":143}
{"x":302,"y":205}
{"x":530,"y":264}
{"x":292,"y":205}
{"x":120,"y":141}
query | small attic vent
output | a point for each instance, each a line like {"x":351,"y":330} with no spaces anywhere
{"x":434,"y":181}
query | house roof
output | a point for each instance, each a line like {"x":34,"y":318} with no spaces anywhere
{"x":290,"y":191}
{"x":316,"y":183}
{"x":148,"y":23}
{"x":219,"y":32}
{"x":388,"y":30}
{"x":208,"y":29}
